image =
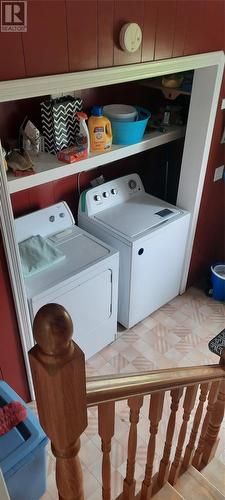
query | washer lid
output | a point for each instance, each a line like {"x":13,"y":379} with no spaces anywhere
{"x":137,"y":215}
{"x":81,"y":251}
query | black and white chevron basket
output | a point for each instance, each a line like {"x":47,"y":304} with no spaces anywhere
{"x":59,"y":123}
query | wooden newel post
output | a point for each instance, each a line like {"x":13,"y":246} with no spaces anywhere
{"x":215,"y":421}
{"x":58,"y":370}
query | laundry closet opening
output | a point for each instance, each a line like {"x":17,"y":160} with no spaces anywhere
{"x":173,"y":169}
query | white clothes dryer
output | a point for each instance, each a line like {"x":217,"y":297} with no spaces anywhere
{"x":151,"y":237}
{"x":85,"y":282}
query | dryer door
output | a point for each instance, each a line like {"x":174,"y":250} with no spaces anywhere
{"x":89,"y":303}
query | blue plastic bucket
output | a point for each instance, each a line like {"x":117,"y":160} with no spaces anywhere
{"x":218,"y":281}
{"x":130,"y":132}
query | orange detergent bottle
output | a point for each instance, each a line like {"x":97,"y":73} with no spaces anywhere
{"x":100,"y":131}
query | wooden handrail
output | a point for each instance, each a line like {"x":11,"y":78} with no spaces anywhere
{"x":117,"y":387}
{"x":63,"y":394}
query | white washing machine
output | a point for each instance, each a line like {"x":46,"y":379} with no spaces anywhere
{"x":151,"y":237}
{"x":85,"y":282}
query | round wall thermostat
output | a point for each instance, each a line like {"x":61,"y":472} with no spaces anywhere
{"x":130,"y":37}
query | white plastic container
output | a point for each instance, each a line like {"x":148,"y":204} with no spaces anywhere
{"x":120,"y":112}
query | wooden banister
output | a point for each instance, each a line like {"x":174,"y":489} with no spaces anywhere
{"x":58,"y":370}
{"x":63,"y":395}
{"x":117,"y":387}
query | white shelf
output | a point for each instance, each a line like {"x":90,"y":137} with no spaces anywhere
{"x":48,"y":168}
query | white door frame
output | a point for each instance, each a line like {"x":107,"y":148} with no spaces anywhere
{"x":204,"y":100}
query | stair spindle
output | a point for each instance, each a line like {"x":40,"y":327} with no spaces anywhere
{"x":155,"y":415}
{"x":215,"y":421}
{"x":188,"y":405}
{"x":165,"y":463}
{"x":106,"y":419}
{"x":212,"y":395}
{"x":58,"y":370}
{"x":135,"y":405}
{"x":198,"y":416}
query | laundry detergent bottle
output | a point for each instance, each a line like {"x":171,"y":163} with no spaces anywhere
{"x":100,"y":131}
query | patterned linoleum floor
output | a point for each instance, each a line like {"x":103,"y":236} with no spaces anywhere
{"x":175,"y":335}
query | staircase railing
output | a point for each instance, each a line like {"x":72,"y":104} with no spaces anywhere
{"x":63,"y":395}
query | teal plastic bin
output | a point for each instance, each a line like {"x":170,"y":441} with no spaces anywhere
{"x":126,"y":133}
{"x":23,"y":454}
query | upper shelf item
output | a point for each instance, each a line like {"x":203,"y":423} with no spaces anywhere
{"x":171,"y":85}
{"x":130,"y":132}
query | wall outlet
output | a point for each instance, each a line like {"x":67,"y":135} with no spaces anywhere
{"x":218,"y":174}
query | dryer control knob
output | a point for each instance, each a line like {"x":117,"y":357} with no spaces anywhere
{"x":132,"y":184}
{"x":97,"y":197}
{"x":105,"y":194}
{"x":114,"y":191}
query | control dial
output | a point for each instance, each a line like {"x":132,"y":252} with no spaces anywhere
{"x":97,"y":197}
{"x":132,"y":184}
{"x":114,"y":191}
{"x":105,"y":194}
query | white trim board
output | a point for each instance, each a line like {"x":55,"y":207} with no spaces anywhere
{"x":67,"y":82}
{"x":201,"y":118}
{"x":204,"y":101}
{"x":223,"y":104}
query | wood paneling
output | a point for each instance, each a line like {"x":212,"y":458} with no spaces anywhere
{"x":11,"y":56}
{"x":126,"y":11}
{"x":149,"y":30}
{"x":213,"y":26}
{"x":11,"y":358}
{"x":41,"y":196}
{"x":195,"y":14}
{"x":45,"y":43}
{"x":20,"y":203}
{"x":82,"y":34}
{"x":181,"y":24}
{"x":165,"y":29}
{"x":105,"y":33}
{"x":66,"y":190}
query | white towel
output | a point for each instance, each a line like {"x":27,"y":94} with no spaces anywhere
{"x":38,"y":254}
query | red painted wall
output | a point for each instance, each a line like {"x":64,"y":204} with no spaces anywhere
{"x":75,"y":35}
{"x":12,"y":368}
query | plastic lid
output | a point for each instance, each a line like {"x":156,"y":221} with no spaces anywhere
{"x":96,"y":111}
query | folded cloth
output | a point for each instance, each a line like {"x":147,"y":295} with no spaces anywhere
{"x":38,"y":254}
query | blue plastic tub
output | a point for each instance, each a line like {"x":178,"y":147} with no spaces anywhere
{"x":218,"y":281}
{"x":23,"y":454}
{"x":130,"y":132}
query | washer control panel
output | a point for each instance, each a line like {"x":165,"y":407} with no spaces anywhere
{"x":47,"y":221}
{"x":112,"y":193}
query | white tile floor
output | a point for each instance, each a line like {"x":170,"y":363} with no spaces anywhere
{"x":175,"y":335}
